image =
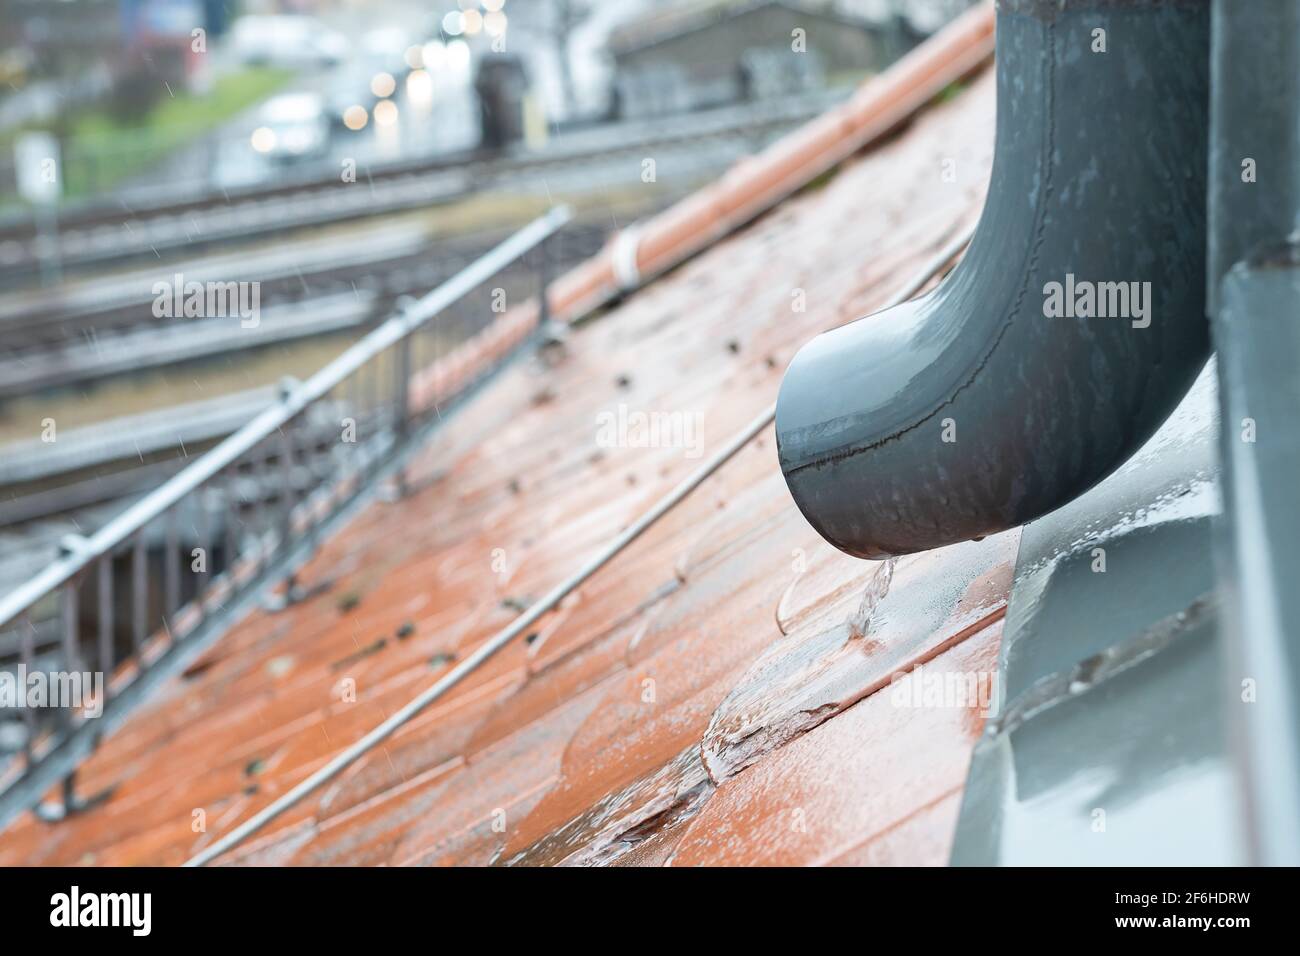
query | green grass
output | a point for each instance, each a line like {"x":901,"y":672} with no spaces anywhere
{"x":189,"y":113}
{"x":100,"y":151}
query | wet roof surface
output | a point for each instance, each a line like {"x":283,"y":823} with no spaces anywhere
{"x":720,"y":693}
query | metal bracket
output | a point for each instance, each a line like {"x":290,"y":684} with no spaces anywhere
{"x":71,"y":804}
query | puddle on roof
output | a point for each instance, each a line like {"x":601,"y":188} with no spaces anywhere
{"x":908,"y":612}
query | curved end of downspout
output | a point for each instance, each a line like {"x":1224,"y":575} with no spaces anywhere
{"x":1072,"y":327}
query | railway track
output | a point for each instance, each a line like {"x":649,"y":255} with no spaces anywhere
{"x":110,"y":232}
{"x":107,"y":327}
{"x":48,"y":491}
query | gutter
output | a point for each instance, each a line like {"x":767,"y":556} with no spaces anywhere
{"x":1003,"y":394}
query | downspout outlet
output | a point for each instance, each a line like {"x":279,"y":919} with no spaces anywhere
{"x":1072,"y":327}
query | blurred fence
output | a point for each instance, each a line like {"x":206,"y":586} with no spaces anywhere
{"x":140,"y":598}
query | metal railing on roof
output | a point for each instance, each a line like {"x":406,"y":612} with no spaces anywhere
{"x":248,"y":511}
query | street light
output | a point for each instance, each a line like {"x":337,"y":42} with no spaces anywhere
{"x":355,"y":117}
{"x":385,"y":113}
{"x":263,"y":139}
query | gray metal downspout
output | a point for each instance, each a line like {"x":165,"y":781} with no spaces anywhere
{"x":1254,"y":289}
{"x":969,"y":411}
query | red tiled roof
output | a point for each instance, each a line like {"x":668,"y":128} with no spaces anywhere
{"x":719,"y":693}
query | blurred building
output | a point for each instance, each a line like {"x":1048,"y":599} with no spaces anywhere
{"x":700,"y":53}
{"x":56,"y":36}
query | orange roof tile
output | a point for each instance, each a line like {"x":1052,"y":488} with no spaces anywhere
{"x":720,"y":674}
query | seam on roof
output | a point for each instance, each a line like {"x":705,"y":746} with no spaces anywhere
{"x":947,"y":644}
{"x":1091,"y":672}
{"x":645,"y":607}
{"x":436,"y":774}
{"x":920,"y":659}
{"x":831,"y":709}
{"x":686,"y":806}
{"x":412,"y":859}
{"x":885,"y":831}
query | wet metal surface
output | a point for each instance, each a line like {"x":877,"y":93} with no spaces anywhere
{"x":1255,"y":294}
{"x":1109,"y":746}
{"x":1259,"y":353}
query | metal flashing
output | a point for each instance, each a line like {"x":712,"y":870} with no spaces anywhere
{"x":1109,"y":746}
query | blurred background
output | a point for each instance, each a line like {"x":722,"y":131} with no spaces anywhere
{"x":342,"y":157}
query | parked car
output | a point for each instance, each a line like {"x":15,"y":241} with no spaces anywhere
{"x":292,"y":126}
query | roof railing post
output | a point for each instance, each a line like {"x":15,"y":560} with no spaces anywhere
{"x":69,"y":606}
{"x":27,"y":657}
{"x":264,"y":475}
{"x":70,"y":662}
{"x":351,"y":393}
{"x":203,"y":544}
{"x":230,"y":524}
{"x":70,"y":655}
{"x":288,"y":496}
{"x":401,"y":407}
{"x":104,"y":609}
{"x":551,"y":335}
{"x":139,"y":593}
{"x":171,"y":568}
{"x":544,"y":283}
